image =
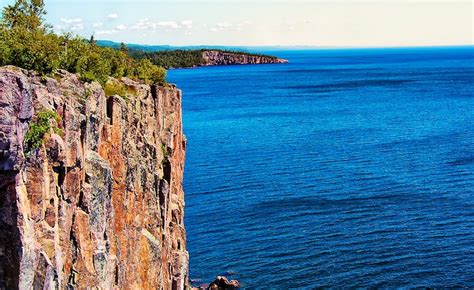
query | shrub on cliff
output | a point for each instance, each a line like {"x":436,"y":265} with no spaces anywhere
{"x":149,"y":72}
{"x":40,"y":126}
{"x":26,"y":41}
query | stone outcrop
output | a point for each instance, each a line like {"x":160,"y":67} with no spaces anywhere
{"x":222,"y":283}
{"x":217,"y":57}
{"x":99,"y":205}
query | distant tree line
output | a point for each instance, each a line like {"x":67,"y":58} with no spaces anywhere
{"x":27,"y":41}
{"x":170,"y":58}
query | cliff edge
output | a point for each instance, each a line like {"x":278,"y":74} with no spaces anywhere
{"x":99,"y":203}
{"x":219,"y":57}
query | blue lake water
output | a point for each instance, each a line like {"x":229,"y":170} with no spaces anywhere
{"x":341,"y":168}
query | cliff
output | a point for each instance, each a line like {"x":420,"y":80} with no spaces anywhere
{"x":100,"y":202}
{"x":219,"y":57}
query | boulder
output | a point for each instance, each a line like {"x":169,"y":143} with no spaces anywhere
{"x":221,"y":282}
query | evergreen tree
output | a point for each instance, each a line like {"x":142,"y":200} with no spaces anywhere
{"x":123,"y":47}
{"x":92,"y":40}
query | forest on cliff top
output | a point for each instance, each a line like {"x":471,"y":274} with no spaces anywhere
{"x":28,"y":42}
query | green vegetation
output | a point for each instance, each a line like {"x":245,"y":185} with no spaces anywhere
{"x":26,"y":41}
{"x":166,"y":153}
{"x":171,"y":58}
{"x":181,"y":58}
{"x":87,"y":94}
{"x":40,"y":127}
{"x":113,"y":87}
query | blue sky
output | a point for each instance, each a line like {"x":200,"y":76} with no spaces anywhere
{"x":336,"y":23}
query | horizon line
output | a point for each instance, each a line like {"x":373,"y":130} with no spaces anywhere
{"x":298,"y":45}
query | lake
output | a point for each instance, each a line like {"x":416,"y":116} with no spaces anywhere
{"x":344,"y":167}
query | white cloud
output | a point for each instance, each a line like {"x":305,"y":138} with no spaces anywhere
{"x":224,"y":25}
{"x":77,"y":26}
{"x":144,"y":24}
{"x":241,"y":26}
{"x":112,"y":16}
{"x":60,"y":27}
{"x":187,"y":24}
{"x":121,"y":27}
{"x":221,"y":26}
{"x":106,"y":32}
{"x":71,"y":20}
{"x":227,"y":26}
{"x":169,"y":24}
{"x":147,"y":25}
{"x":97,"y":24}
{"x":69,"y":24}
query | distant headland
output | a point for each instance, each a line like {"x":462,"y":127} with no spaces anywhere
{"x":220,"y":57}
{"x":177,"y":57}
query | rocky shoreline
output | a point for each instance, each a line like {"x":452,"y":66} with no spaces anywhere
{"x":220,"y":283}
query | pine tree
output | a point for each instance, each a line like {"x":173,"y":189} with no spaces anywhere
{"x":92,"y":40}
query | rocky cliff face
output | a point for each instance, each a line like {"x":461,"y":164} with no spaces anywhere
{"x":100,"y":204}
{"x":216,"y":57}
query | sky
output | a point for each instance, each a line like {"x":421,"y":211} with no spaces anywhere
{"x":324,"y":23}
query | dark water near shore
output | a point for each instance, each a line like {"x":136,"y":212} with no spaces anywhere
{"x":341,"y":168}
